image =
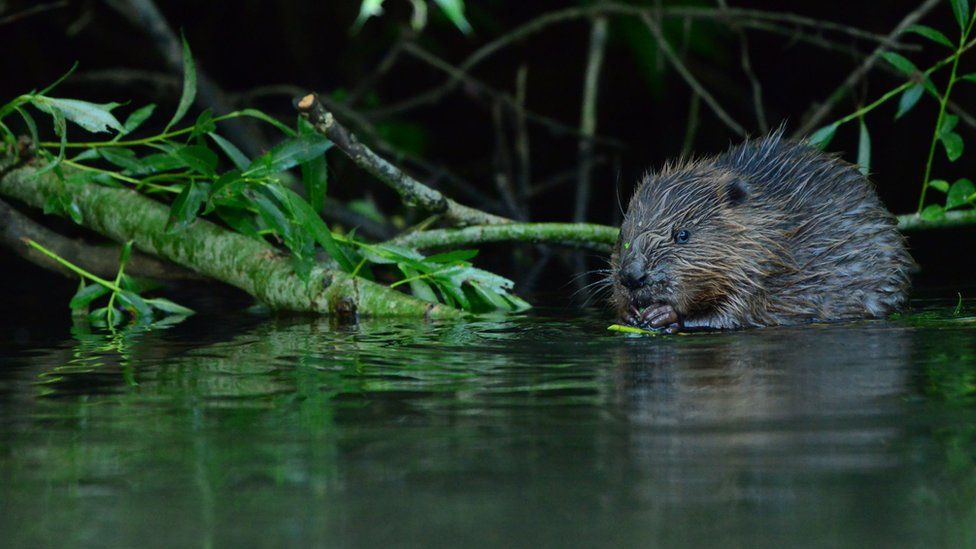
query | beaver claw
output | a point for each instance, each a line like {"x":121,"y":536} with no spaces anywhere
{"x":663,"y":316}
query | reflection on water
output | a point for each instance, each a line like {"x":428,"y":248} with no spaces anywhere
{"x":517,"y":431}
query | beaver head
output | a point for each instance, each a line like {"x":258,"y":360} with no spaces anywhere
{"x":691,"y":242}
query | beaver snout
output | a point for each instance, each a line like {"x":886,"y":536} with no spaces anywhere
{"x":633,"y":276}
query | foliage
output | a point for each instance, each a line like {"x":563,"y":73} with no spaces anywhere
{"x":961,"y":193}
{"x":452,"y":9}
{"x":122,"y":293}
{"x":202,"y":173}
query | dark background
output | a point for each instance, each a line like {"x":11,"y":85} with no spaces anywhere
{"x":643,"y":103}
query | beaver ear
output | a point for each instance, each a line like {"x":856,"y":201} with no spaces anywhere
{"x":736,"y":191}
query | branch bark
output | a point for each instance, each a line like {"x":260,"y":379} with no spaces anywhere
{"x":413,"y":192}
{"x":589,"y":236}
{"x":203,"y":247}
{"x":16,"y":228}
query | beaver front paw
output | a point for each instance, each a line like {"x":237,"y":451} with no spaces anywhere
{"x":660,"y":317}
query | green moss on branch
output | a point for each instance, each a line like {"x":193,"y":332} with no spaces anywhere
{"x":580,"y":235}
{"x":206,"y":248}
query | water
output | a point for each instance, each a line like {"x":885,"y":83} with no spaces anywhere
{"x":540,"y":430}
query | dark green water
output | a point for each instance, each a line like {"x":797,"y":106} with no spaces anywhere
{"x":542,"y":430}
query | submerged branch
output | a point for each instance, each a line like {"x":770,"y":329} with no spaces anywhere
{"x":212,"y":251}
{"x":16,"y":228}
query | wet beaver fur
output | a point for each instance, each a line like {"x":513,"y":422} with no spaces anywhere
{"x":771,"y":232}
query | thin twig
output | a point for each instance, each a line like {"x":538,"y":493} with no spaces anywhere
{"x":746,"y":18}
{"x":824,"y":108}
{"x":33,"y":10}
{"x":366,"y":128}
{"x":689,"y":78}
{"x":551,"y":123}
{"x":757,"y":99}
{"x":386,"y":63}
{"x":503,"y":164}
{"x":522,"y":146}
{"x":588,"y":116}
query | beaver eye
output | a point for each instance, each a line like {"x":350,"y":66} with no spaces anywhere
{"x":682,"y":236}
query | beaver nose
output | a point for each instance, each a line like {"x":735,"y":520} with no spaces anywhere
{"x":632,"y":276}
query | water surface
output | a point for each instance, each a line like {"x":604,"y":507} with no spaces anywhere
{"x":542,"y":429}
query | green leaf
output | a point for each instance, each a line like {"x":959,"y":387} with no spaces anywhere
{"x":959,"y":193}
{"x":953,"y":144}
{"x":61,"y":129}
{"x":454,"y":10}
{"x":939,"y":185}
{"x":240,"y":220}
{"x":289,"y":154}
{"x":138,"y":306}
{"x":313,"y":223}
{"x":203,"y":125}
{"x":315,"y":173}
{"x":900,"y":62}
{"x":167,"y":306}
{"x":419,"y":18}
{"x":123,"y":158}
{"x":491,"y":298}
{"x":949,"y":123}
{"x":137,"y":118}
{"x":254,"y":113}
{"x":960,"y":8}
{"x":187,"y":204}
{"x":971,"y":77}
{"x":821,"y":138}
{"x":864,"y":149}
{"x":931,"y":34}
{"x":368,"y":8}
{"x":93,"y":117}
{"x":86,"y":294}
{"x":421,"y":289}
{"x":451,"y":257}
{"x":189,"y":86}
{"x":908,"y":99}
{"x":199,"y":159}
{"x":124,"y":254}
{"x":932,"y":212}
{"x":160,"y":162}
{"x":240,"y":160}
{"x":31,"y":125}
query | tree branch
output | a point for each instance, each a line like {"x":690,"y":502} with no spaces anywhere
{"x":413,"y":192}
{"x":588,"y":116}
{"x":248,"y":264}
{"x":689,"y":78}
{"x":588,"y":236}
{"x":16,"y":228}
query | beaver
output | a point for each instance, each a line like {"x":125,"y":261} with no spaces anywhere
{"x":771,"y":232}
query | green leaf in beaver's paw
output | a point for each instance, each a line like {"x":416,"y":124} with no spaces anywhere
{"x":632,"y":330}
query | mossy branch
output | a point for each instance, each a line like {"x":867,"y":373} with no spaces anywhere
{"x":914,"y":222}
{"x":208,"y":249}
{"x":588,"y":236}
